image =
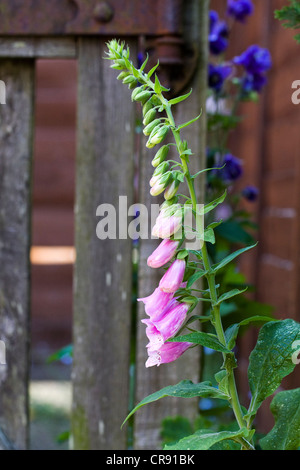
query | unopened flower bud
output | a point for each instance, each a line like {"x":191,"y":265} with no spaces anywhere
{"x":136,"y":91}
{"x":147,"y":106}
{"x":151,"y":126}
{"x":160,"y":156}
{"x":171,"y":190}
{"x":161,"y":169}
{"x":161,"y":184}
{"x":143,"y":96}
{"x":160,"y":135}
{"x":129,"y":79}
{"x":149,"y":117}
{"x":122,"y":75}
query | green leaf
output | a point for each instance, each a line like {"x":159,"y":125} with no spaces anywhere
{"x":209,"y":236}
{"x":151,"y":72}
{"x":188,"y":123}
{"x":204,"y":339}
{"x":229,"y":295}
{"x":231,"y":257}
{"x":232,"y":331}
{"x":158,"y":88}
{"x":285,"y":435}
{"x":222,"y":379}
{"x":204,"y":440}
{"x":184,"y":389}
{"x":205,"y":170}
{"x":144,"y":63}
{"x":200,"y":273}
{"x":271,"y":360}
{"x":180,"y":98}
{"x":211,"y":206}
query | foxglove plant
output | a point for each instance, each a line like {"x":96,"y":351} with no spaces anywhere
{"x":170,"y":306}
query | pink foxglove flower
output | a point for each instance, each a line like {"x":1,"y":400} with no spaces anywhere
{"x":173,"y":278}
{"x":163,"y":253}
{"x":167,"y":225}
{"x":165,"y":326}
{"x":156,"y":303}
{"x":168,"y":352}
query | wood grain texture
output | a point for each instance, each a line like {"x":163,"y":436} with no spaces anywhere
{"x":16,"y":133}
{"x":18,"y":47}
{"x":103,"y":271}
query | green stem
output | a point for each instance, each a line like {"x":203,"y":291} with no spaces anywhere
{"x":217,"y":322}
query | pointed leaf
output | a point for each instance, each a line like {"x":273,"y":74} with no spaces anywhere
{"x":232,"y":332}
{"x":229,"y":295}
{"x":203,"y":339}
{"x":271,"y":360}
{"x":184,"y":389}
{"x":151,"y":72}
{"x":231,"y":257}
{"x":285,"y":435}
{"x":144,"y":63}
{"x":195,"y":277}
{"x":212,"y":205}
{"x":180,"y":98}
{"x":188,"y":123}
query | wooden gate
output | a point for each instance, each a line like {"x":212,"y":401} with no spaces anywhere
{"x":106,"y":144}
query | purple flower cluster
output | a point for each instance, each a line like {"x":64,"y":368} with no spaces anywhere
{"x":218,"y":34}
{"x":240,"y":9}
{"x":256,"y":61}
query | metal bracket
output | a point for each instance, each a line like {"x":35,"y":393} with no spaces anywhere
{"x":177,"y":59}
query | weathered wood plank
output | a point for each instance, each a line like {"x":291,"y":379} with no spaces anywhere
{"x":16,"y":135}
{"x":103,"y":271}
{"x":148,"y":420}
{"x":46,"y":48}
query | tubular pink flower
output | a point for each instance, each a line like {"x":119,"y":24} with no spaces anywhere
{"x":173,"y":278}
{"x":156,"y":303}
{"x":169,"y":352}
{"x":164,"y":327}
{"x":163,"y":253}
{"x":166,"y":226}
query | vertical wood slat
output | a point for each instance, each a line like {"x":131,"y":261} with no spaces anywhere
{"x":16,"y":136}
{"x":102,"y":279}
{"x":148,"y":420}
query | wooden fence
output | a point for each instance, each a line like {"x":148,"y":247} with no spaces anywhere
{"x":106,"y":145}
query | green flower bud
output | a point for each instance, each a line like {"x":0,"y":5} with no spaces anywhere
{"x":161,"y":184}
{"x":122,"y":75}
{"x":161,"y":169}
{"x":171,"y":190}
{"x":136,"y":92}
{"x":143,"y":96}
{"x":149,"y":129}
{"x":147,"y":106}
{"x":160,"y":156}
{"x":149,"y":117}
{"x":129,"y":79}
{"x":159,"y":136}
